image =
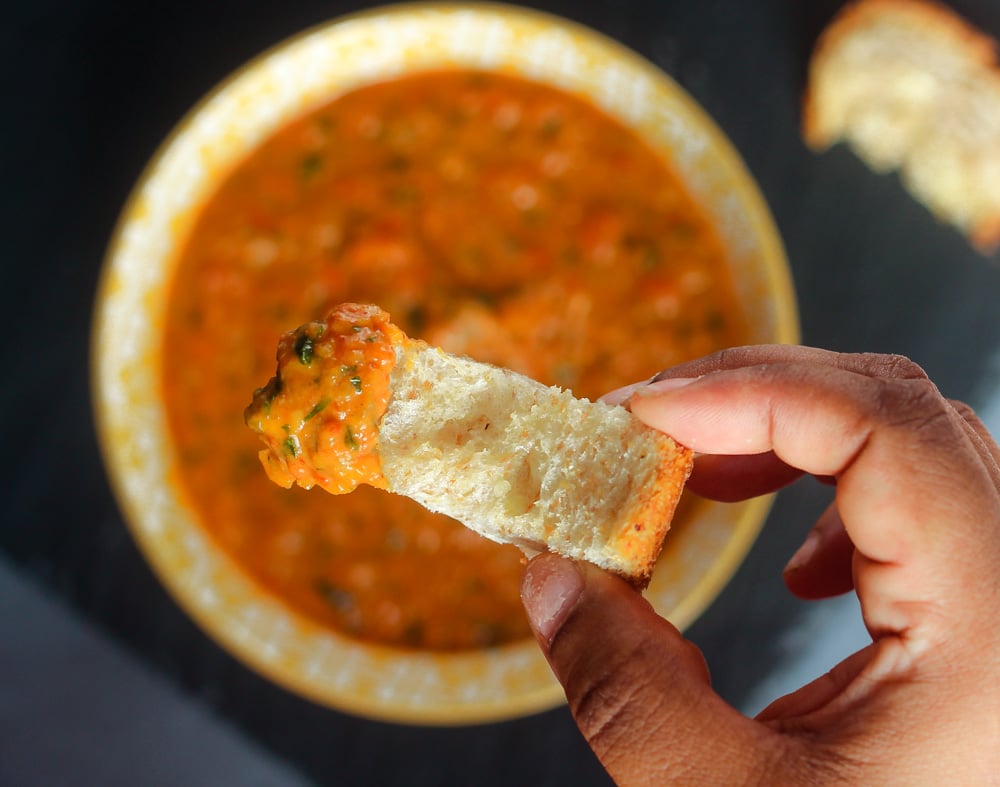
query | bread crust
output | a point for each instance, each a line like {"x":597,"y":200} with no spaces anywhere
{"x":644,"y":530}
{"x":936,"y":23}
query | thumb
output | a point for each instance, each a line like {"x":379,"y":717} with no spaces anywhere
{"x":638,"y":690}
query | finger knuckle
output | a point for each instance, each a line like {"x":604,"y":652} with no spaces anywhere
{"x":731,"y":357}
{"x":603,"y":709}
{"x":964,"y":410}
{"x":613,"y":702}
{"x":911,"y":402}
{"x":892,"y":366}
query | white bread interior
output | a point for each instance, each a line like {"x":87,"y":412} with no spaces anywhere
{"x":523,"y":463}
{"x":911,"y":86}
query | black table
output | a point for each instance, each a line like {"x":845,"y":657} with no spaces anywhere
{"x":91,"y":90}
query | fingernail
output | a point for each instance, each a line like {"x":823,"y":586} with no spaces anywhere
{"x":620,"y":395}
{"x":805,"y":552}
{"x":664,"y":386}
{"x":551,"y":588}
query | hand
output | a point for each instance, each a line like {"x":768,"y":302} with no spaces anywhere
{"x":914,"y":529}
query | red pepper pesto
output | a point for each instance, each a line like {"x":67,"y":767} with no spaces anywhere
{"x":319,"y":414}
{"x":491,"y":216}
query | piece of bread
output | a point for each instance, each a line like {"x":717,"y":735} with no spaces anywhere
{"x":355,"y":401}
{"x":911,"y":86}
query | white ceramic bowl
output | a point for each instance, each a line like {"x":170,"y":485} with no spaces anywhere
{"x":282,"y":84}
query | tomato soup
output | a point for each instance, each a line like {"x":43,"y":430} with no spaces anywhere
{"x":495,"y":217}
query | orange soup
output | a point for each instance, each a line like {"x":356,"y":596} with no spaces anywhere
{"x":490,"y":215}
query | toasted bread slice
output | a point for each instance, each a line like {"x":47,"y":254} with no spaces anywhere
{"x":911,"y":86}
{"x":356,"y":401}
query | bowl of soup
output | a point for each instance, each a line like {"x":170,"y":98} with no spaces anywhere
{"x":509,"y":186}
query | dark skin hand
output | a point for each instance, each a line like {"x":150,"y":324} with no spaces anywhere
{"x":914,"y":530}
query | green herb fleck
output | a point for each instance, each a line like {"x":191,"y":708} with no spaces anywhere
{"x":550,"y":127}
{"x":317,"y":409}
{"x":349,"y":440}
{"x":291,"y":446}
{"x":479,"y":79}
{"x":403,"y":194}
{"x":651,"y":257}
{"x":682,"y":232}
{"x":338,"y":598}
{"x":533,"y":216}
{"x":263,"y":398}
{"x":397,"y":163}
{"x":310,"y":165}
{"x":242,"y":465}
{"x":413,"y":634}
{"x":356,"y":382}
{"x":417,"y":318}
{"x":487,"y":634}
{"x":395,"y":540}
{"x":304,"y":348}
{"x":715,"y":321}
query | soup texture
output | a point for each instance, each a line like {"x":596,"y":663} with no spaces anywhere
{"x":490,"y":215}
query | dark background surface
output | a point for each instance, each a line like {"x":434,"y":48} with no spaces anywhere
{"x":91,"y":88}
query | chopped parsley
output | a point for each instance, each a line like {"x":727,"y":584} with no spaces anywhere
{"x":317,"y":409}
{"x":338,"y":598}
{"x":310,"y":165}
{"x":304,"y":349}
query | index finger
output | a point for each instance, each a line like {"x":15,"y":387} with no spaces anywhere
{"x":913,"y":492}
{"x":730,"y":478}
{"x":870,"y":364}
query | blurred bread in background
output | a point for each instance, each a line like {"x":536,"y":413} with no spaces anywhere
{"x":910,"y":85}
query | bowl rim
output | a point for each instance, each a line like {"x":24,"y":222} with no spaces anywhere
{"x":753,"y":513}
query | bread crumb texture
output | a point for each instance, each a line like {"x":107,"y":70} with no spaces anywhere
{"x":912,"y":86}
{"x":531,"y":465}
